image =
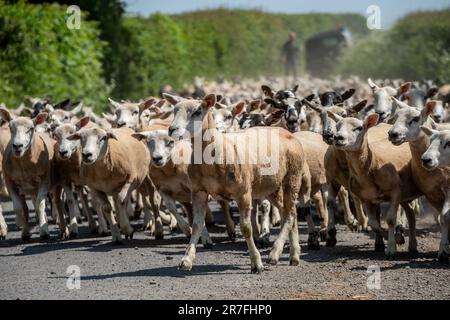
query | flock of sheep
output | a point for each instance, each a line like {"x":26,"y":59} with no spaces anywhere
{"x":377,"y":150}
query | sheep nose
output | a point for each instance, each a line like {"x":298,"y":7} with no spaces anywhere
{"x":426,"y":160}
{"x":87,"y":155}
{"x":382,"y":114}
{"x":172,"y":130}
{"x":17,"y":145}
{"x":157,"y":158}
{"x":120,"y":124}
{"x":339,"y":138}
{"x":63,"y":152}
{"x":393,"y":135}
{"x":437,"y":118}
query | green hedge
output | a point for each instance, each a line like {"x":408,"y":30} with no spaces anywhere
{"x":417,"y":47}
{"x":40,"y":56}
{"x":230,"y":43}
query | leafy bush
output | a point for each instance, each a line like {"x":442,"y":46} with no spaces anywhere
{"x":40,"y":56}
{"x":417,"y":47}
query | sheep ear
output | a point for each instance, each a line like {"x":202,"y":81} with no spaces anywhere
{"x":209,"y":101}
{"x":40,"y":118}
{"x":238,"y":108}
{"x":115,"y":104}
{"x":433,"y":124}
{"x":161,"y":103}
{"x":404,"y":88}
{"x":357,"y":107}
{"x":400,"y":104}
{"x":295,"y":88}
{"x":431,"y":92}
{"x":273,"y":103}
{"x":75,"y":136}
{"x":141,"y":135}
{"x":268,"y":91}
{"x":372,"y":84}
{"x":171,"y":98}
{"x":348,"y":94}
{"x":429,"y":107}
{"x":254,"y":105}
{"x":147,"y":104}
{"x":428,"y":131}
{"x":310,"y":97}
{"x":111,"y":135}
{"x":49,"y":108}
{"x":334,"y":116}
{"x":78,"y":108}
{"x":273,"y":118}
{"x":5,"y":114}
{"x":372,"y":120}
{"x":82,"y":122}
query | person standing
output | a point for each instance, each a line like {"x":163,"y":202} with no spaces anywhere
{"x":290,"y":53}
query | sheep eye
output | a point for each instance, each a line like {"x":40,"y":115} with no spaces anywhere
{"x":198,"y":112}
{"x":170,"y":143}
{"x":447,"y":144}
{"x":135,"y":112}
{"x":358,"y":128}
{"x":415,"y":119}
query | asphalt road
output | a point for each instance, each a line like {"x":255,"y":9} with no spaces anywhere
{"x":143,"y":268}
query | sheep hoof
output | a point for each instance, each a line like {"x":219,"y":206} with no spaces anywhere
{"x":273,"y":261}
{"x":208,"y":245}
{"x":93,"y":230}
{"x":210,"y":224}
{"x":399,"y":235}
{"x":137,"y":215}
{"x":232,"y":236}
{"x":294,"y":262}
{"x":103,"y":234}
{"x":353,"y":226}
{"x":264,"y":241}
{"x":185,"y":265}
{"x":159,"y":236}
{"x":331,"y":242}
{"x":379,"y":247}
{"x":443,"y":257}
{"x":413,"y":251}
{"x":2,"y":237}
{"x":323,"y":235}
{"x":73,"y":234}
{"x":313,"y":241}
{"x":257,"y":270}
{"x":26,"y":237}
{"x":117,"y":242}
{"x":44,"y":236}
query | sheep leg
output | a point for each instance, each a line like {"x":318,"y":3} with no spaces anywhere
{"x":276,"y":218}
{"x":360,"y":215}
{"x":391,"y":219}
{"x":349,"y":219}
{"x":256,"y":228}
{"x":86,"y":212}
{"x":121,"y":201}
{"x":172,"y":207}
{"x":411,"y":216}
{"x":209,"y":218}
{"x":39,"y":205}
{"x":444,"y":252}
{"x":104,"y":208}
{"x":286,"y":226}
{"x":375,"y":224}
{"x":3,"y":225}
{"x":229,"y":223}
{"x":155,"y":202}
{"x":313,"y":234}
{"x":73,"y":225}
{"x":330,"y":194}
{"x":98,"y":205}
{"x":199,"y":203}
{"x":57,"y":204}
{"x":19,"y":210}
{"x":264,"y":237}
{"x":322,"y":211}
{"x":245,"y":213}
{"x":149,"y":217}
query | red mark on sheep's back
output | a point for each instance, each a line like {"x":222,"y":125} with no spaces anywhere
{"x":288,"y":135}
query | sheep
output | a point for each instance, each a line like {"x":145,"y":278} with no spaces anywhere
{"x":67,"y":167}
{"x":57,"y":117}
{"x":169,"y":172}
{"x":115,"y":164}
{"x":383,"y":104}
{"x":28,"y":164}
{"x":436,"y":159}
{"x":240,"y":181}
{"x":379,"y":172}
